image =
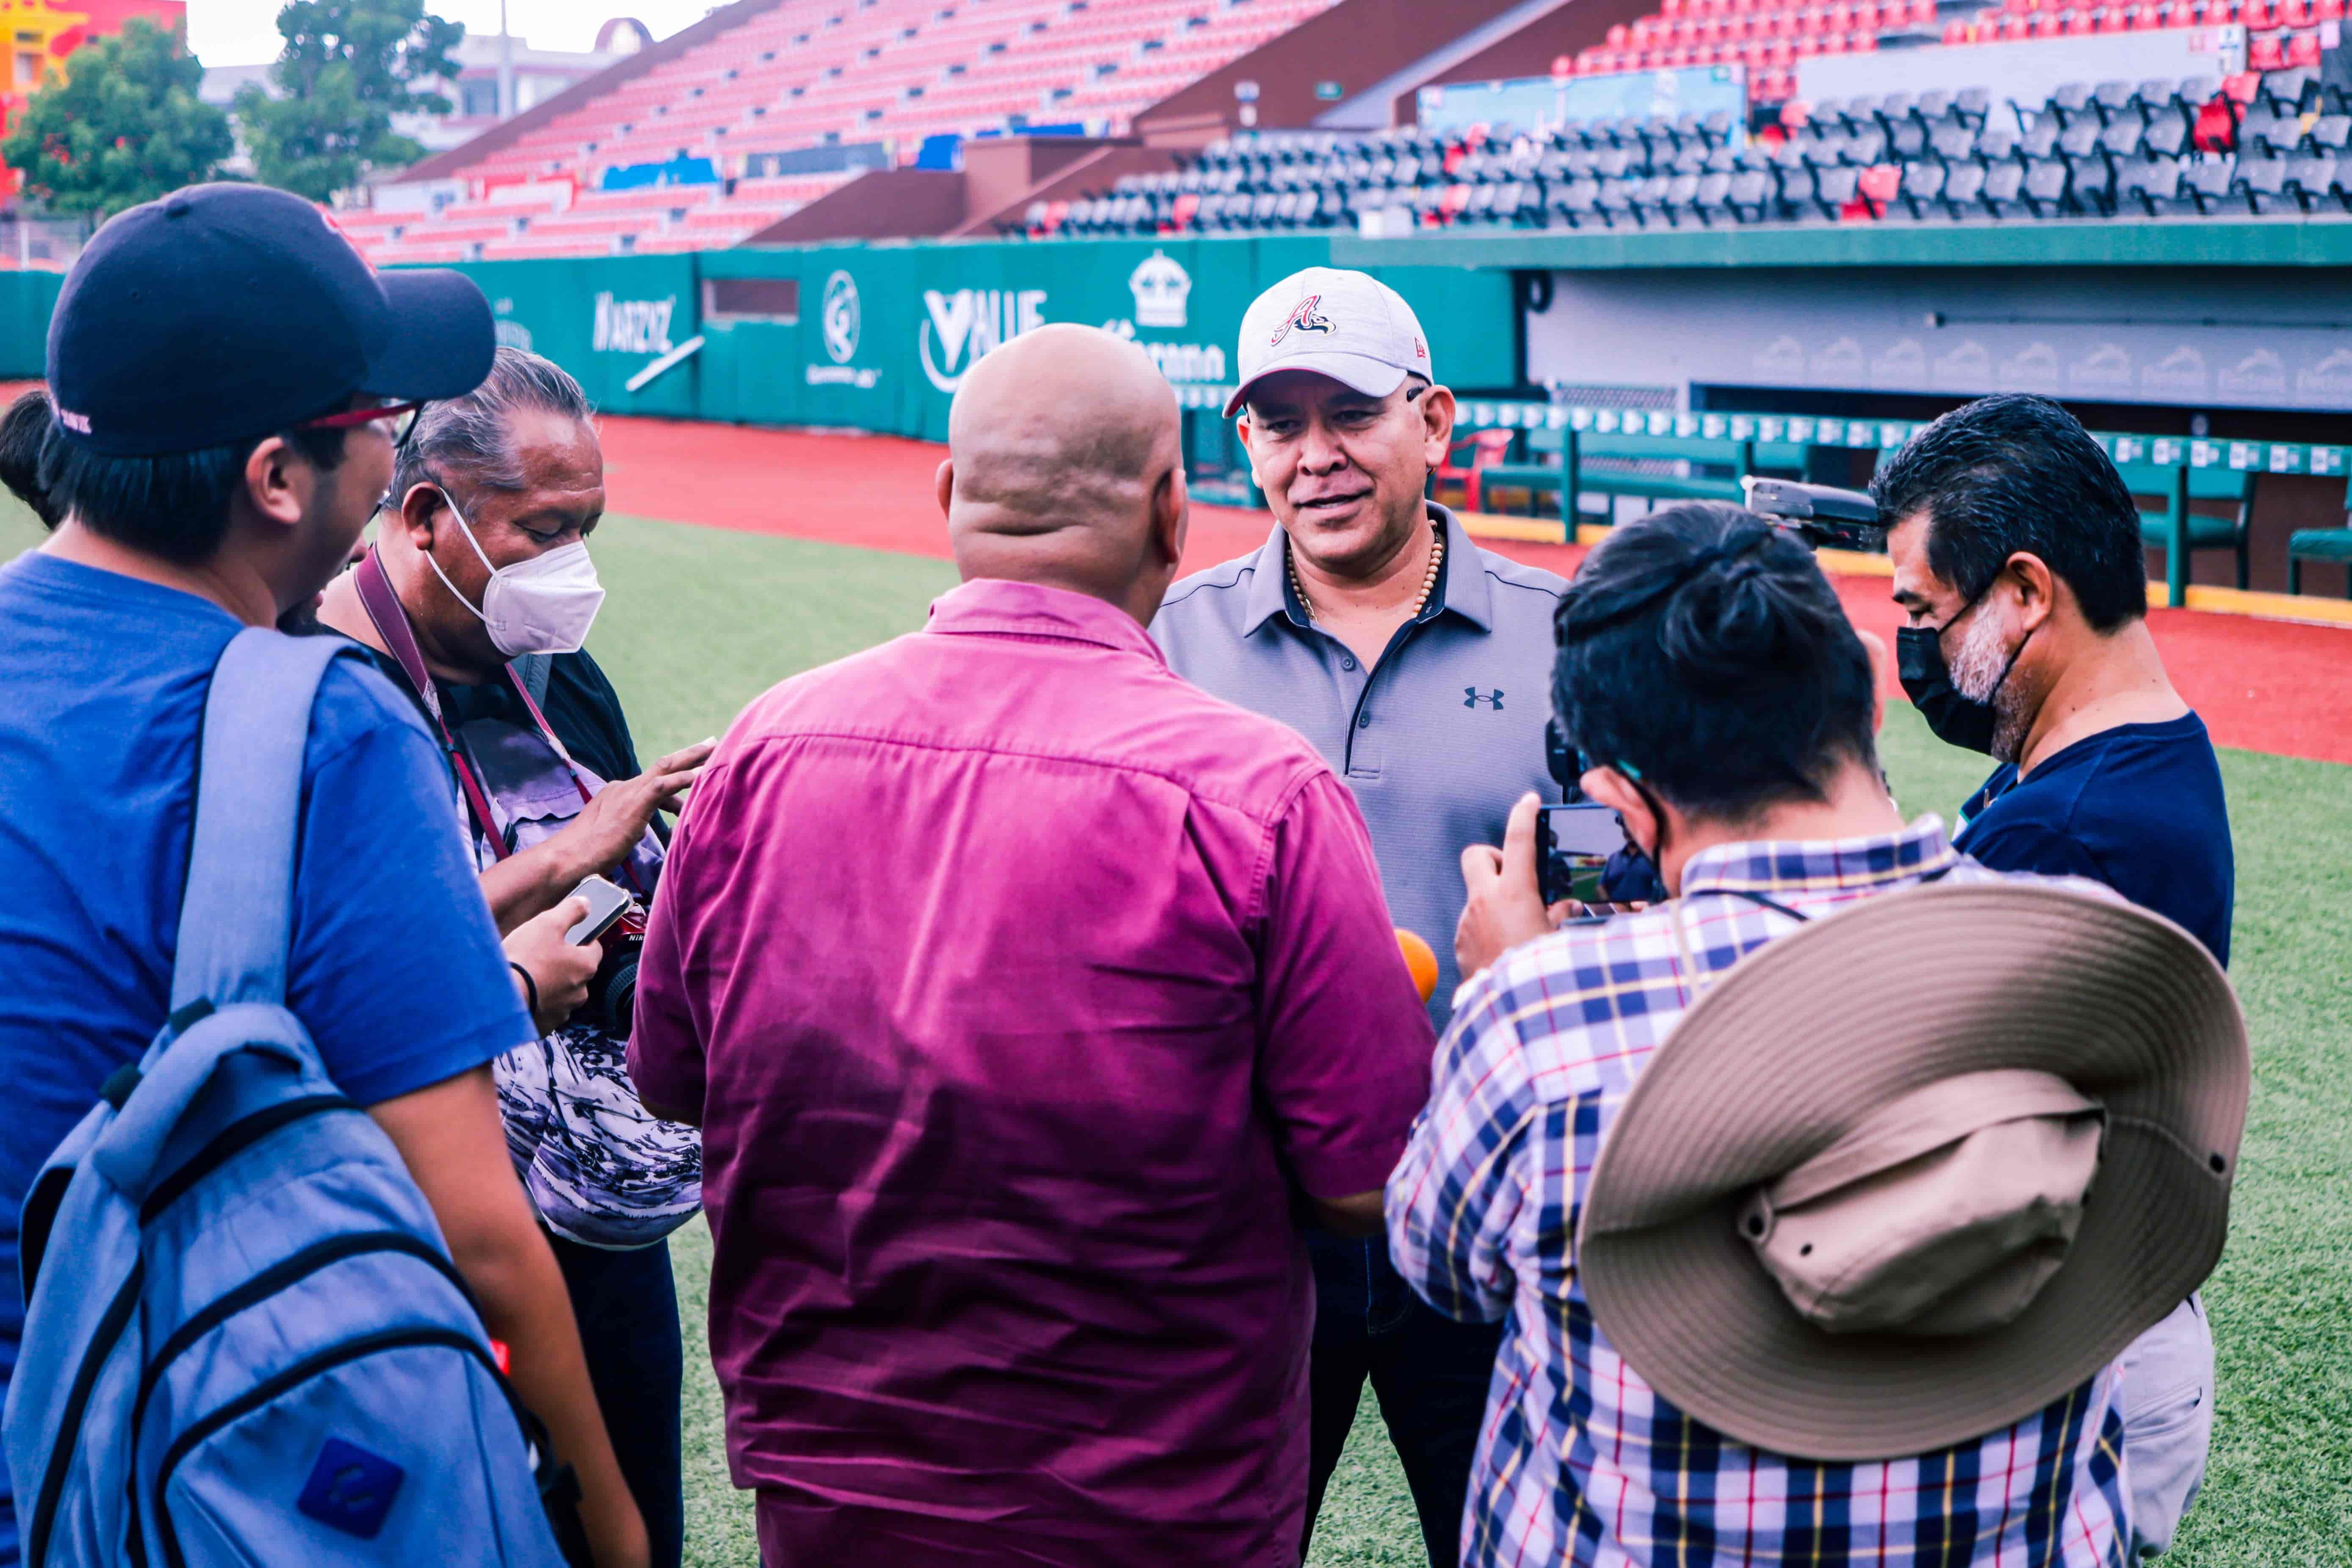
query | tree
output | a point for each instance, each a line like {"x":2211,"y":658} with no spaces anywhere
{"x":124,"y":127}
{"x":349,"y":67}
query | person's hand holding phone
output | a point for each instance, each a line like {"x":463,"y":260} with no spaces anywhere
{"x":558,"y":970}
{"x":1505,"y":908}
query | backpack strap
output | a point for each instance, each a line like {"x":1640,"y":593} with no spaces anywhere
{"x":237,"y":912}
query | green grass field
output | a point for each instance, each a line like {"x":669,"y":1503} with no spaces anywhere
{"x":699,"y":621}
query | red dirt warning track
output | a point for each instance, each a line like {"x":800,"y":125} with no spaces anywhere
{"x":2266,"y":686}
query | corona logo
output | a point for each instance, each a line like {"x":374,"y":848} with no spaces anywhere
{"x":1160,"y":286}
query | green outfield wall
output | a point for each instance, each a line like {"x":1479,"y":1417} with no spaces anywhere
{"x":26,"y":300}
{"x":876,"y":337}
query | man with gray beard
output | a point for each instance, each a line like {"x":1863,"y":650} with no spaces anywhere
{"x":2017,"y":559}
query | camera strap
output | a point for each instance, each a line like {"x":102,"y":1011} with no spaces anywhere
{"x":390,"y":623}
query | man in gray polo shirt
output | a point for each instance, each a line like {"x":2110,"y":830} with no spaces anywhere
{"x":1420,"y":665}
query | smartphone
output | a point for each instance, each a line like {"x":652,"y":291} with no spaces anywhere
{"x":1573,"y":844}
{"x":607,"y":902}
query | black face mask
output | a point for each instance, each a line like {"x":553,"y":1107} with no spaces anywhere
{"x":1954,"y":717}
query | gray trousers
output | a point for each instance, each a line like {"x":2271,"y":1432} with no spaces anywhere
{"x":2167,"y":1422}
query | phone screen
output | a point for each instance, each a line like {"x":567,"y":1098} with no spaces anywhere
{"x":1573,"y":844}
{"x":607,"y":902}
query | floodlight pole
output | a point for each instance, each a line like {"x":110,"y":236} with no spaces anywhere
{"x":506,"y":66}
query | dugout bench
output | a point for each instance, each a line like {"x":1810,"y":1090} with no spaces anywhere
{"x":1572,"y":464}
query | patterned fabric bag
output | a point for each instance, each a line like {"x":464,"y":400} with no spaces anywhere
{"x":602,"y":1169}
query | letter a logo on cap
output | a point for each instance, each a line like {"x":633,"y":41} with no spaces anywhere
{"x":1302,"y":316}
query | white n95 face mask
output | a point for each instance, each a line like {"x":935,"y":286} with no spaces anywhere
{"x":544,"y":605}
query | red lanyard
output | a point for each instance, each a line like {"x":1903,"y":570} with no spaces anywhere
{"x":382,"y":606}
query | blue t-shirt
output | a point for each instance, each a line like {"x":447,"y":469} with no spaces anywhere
{"x":2138,"y":808}
{"x":395,"y":964}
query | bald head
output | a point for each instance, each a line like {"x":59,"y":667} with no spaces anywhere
{"x":1065,"y":466}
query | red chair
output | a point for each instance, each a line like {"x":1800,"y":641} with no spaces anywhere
{"x":2258,"y":16}
{"x":1486,"y":448}
{"x":2328,"y":11}
{"x":2294,"y":14}
{"x":2264,"y":53}
{"x":1863,"y":43}
{"x":1878,"y":186}
{"x":2303,"y":49}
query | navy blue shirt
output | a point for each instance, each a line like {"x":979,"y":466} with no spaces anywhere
{"x":395,"y":965}
{"x":2138,"y":808}
{"x":1437,"y":741}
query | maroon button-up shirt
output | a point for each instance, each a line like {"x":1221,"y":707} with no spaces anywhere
{"x":1019,"y":982}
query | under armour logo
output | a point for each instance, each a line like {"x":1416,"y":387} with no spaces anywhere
{"x":1472,"y":697}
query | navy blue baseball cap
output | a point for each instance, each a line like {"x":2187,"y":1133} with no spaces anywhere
{"x":223,"y":313}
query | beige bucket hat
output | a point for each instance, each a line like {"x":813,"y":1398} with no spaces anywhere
{"x":1911,"y":1174}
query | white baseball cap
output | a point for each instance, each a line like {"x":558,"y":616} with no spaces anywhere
{"x":1350,"y":326}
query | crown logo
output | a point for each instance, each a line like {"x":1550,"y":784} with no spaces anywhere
{"x":1160,"y":286}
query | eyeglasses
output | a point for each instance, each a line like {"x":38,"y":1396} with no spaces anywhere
{"x":402,"y":416}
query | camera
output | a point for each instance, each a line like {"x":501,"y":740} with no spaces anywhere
{"x":612,"y":1003}
{"x":1821,"y":517}
{"x":617,"y":921}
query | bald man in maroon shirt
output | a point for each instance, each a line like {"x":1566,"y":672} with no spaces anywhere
{"x":1026,"y":994}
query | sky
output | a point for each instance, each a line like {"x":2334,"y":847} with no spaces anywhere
{"x":244,"y":32}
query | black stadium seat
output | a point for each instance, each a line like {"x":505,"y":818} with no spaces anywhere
{"x":1751,"y":197}
{"x":1963,"y":191}
{"x":1921,"y":192}
{"x":2263,"y":183}
{"x":2114,"y":149}
{"x":2312,"y":180}
{"x":2002,"y":194}
{"x":2211,"y":182}
{"x":2049,"y":188}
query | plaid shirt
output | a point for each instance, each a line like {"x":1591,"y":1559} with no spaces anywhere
{"x":1580,"y":1461}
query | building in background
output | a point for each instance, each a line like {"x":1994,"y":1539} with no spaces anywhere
{"x":41,"y":35}
{"x":539,"y":75}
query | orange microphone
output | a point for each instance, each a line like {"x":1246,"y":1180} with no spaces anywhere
{"x":1419,"y":962}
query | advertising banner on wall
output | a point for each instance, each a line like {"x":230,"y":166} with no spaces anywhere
{"x":603,"y":319}
{"x":886,"y":334}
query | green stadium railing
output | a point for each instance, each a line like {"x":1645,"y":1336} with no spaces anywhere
{"x":2179,"y":457}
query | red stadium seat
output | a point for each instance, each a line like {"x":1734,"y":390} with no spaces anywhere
{"x":1878,"y":186}
{"x":2303,"y":49}
{"x":2264,"y":53}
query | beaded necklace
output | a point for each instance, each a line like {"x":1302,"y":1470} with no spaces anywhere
{"x":1428,"y":578}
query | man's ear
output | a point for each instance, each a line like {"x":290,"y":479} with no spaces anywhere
{"x":1614,"y":790}
{"x":1242,"y":430}
{"x":1437,"y":413}
{"x":943,"y":484}
{"x":420,"y":513}
{"x":1171,"y":508}
{"x":2038,"y":587}
{"x":279,"y":482}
